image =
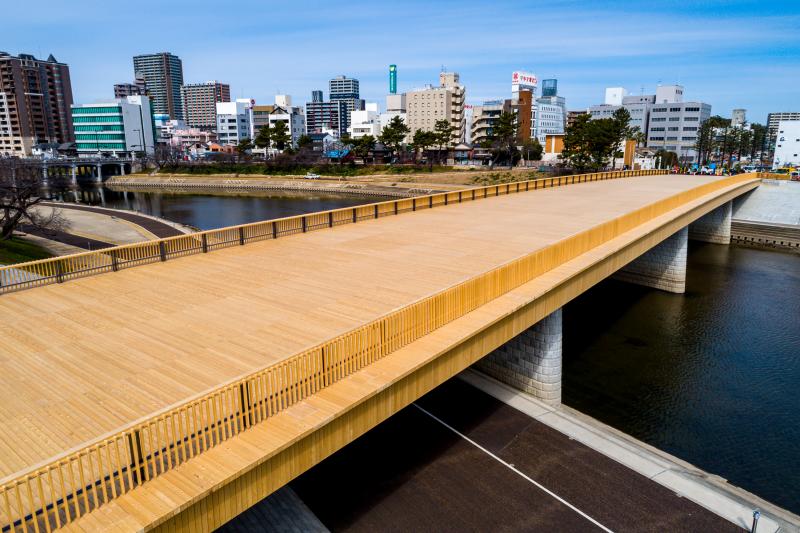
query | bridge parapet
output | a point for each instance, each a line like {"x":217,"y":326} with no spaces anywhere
{"x":79,"y":481}
{"x":61,"y":269}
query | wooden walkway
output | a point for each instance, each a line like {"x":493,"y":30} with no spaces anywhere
{"x":83,"y":359}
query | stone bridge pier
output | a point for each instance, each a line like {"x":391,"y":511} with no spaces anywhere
{"x":714,"y":227}
{"x":531,"y":361}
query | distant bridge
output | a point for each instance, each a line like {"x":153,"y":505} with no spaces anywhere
{"x":146,"y":390}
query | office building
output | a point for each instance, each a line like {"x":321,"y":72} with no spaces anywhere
{"x":35,"y":100}
{"x":260,"y":117}
{"x":673,"y":126}
{"x":550,"y":116}
{"x":200,"y":103}
{"x":344,"y":89}
{"x":122,"y":127}
{"x":427,"y":105}
{"x":523,"y":105}
{"x":137,"y":88}
{"x":163,"y":75}
{"x":614,"y":95}
{"x":234,"y":121}
{"x":787,"y":144}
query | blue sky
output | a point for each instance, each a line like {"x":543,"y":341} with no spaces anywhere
{"x":729,"y":54}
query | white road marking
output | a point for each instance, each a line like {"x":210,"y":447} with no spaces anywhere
{"x":514,"y":469}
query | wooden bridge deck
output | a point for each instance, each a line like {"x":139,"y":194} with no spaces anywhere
{"x":82,"y":359}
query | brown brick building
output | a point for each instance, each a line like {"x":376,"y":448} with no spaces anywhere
{"x":35,"y":100}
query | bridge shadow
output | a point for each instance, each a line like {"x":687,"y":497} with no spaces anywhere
{"x":409,"y":461}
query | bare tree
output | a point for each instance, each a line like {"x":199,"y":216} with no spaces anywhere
{"x":21,"y":183}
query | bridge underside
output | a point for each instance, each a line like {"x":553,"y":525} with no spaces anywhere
{"x":217,"y":485}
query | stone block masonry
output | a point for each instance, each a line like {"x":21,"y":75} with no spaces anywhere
{"x":531,"y":361}
{"x":663,"y":267}
{"x":714,"y":227}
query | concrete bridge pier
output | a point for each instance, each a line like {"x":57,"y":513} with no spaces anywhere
{"x":714,"y":227}
{"x":531,"y":361}
{"x":98,"y":178}
{"x":662,"y":267}
{"x":73,"y":180}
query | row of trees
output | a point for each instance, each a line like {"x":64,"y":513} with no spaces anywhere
{"x":720,"y":141}
{"x":589,"y":144}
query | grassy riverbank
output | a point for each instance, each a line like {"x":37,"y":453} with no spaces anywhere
{"x":16,"y":250}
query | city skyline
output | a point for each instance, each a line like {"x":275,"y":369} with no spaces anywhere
{"x":730,"y":60}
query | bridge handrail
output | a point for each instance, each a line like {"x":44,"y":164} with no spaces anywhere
{"x":60,"y":269}
{"x":74,"y":483}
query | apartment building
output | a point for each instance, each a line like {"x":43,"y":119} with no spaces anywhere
{"x":35,"y":100}
{"x":234,"y":121}
{"x":484,"y":118}
{"x":163,"y":75}
{"x":137,"y":88}
{"x":427,"y":105}
{"x":324,"y":116}
{"x":123,"y":127}
{"x":200,"y":103}
{"x":787,"y":145}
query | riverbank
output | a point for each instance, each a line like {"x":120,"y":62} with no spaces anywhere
{"x":20,"y":250}
{"x":707,"y":490}
{"x":390,"y":185}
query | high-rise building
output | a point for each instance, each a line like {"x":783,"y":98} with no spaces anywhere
{"x":234,"y":121}
{"x":35,"y":100}
{"x":123,"y":126}
{"x":137,"y":88}
{"x":550,"y":117}
{"x":163,"y":74}
{"x":427,"y":105}
{"x":200,"y":103}
{"x":344,"y":89}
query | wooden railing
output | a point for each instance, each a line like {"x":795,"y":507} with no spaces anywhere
{"x":79,"y":481}
{"x":61,"y":269}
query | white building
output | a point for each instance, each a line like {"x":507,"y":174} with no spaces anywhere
{"x":293,"y":117}
{"x":123,"y":127}
{"x":395,"y":107}
{"x":787,"y":144}
{"x":614,"y":95}
{"x":365,"y":122}
{"x":234,"y":121}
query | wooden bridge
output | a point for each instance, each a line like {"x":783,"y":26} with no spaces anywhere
{"x":142,"y":389}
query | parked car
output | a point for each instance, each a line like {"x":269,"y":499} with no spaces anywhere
{"x":311,"y":176}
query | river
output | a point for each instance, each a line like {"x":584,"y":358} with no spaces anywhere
{"x":711,"y":376}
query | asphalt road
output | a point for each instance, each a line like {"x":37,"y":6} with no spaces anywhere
{"x":459,"y":460}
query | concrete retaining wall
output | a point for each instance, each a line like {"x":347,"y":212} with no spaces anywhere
{"x":663,"y":267}
{"x":531,"y":361}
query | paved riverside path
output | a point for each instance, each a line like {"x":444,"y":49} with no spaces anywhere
{"x":412,"y":473}
{"x":156,"y":227}
{"x":112,"y":348}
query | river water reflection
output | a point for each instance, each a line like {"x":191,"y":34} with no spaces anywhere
{"x":215,"y":209}
{"x":711,"y":376}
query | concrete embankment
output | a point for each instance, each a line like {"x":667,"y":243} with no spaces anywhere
{"x":768,"y":216}
{"x":194,"y":183}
